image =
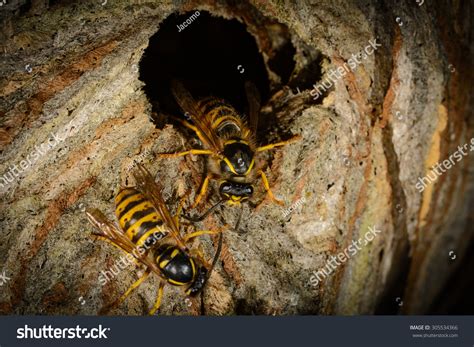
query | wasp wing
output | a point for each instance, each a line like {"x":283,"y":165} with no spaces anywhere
{"x":110,"y":232}
{"x":187,"y":103}
{"x":152,"y":190}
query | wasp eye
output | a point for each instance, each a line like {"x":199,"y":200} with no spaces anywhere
{"x":225,"y":188}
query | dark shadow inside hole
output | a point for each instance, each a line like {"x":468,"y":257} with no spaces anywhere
{"x":308,"y":76}
{"x":283,"y":63}
{"x":24,"y":8}
{"x":53,"y":3}
{"x":211,"y":56}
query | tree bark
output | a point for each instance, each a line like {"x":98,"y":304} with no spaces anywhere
{"x":71,"y":71}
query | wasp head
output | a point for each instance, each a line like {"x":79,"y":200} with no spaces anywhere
{"x":235,"y":192}
{"x":199,"y":281}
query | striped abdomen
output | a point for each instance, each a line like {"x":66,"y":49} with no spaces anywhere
{"x":138,"y":219}
{"x":222,"y":117}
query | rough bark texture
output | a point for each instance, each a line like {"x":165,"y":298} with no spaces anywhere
{"x":69,"y":64}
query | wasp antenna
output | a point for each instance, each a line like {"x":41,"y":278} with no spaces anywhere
{"x":217,"y":255}
{"x":236,"y":228}
{"x":201,"y":218}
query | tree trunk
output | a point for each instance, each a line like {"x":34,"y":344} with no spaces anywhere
{"x":90,"y":77}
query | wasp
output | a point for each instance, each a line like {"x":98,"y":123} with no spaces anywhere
{"x":151,"y":235}
{"x":229,"y":141}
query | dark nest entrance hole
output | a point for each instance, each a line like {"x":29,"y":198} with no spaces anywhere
{"x":211,"y":56}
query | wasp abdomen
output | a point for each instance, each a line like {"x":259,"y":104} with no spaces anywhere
{"x":138,"y":218}
{"x":222,"y":117}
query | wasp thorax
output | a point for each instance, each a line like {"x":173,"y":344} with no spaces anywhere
{"x":238,"y":158}
{"x":176,"y":265}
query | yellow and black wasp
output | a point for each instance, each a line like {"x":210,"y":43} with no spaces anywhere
{"x":230,"y":142}
{"x":146,"y":226}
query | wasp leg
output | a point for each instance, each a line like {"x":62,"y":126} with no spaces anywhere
{"x":199,"y":255}
{"x":193,"y":128}
{"x":157,"y":304}
{"x":186,"y":124}
{"x":278,"y":144}
{"x":269,"y":191}
{"x":180,"y":209}
{"x":128,"y":292}
{"x":204,"y":232}
{"x":203,"y":190}
{"x":182,"y":154}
